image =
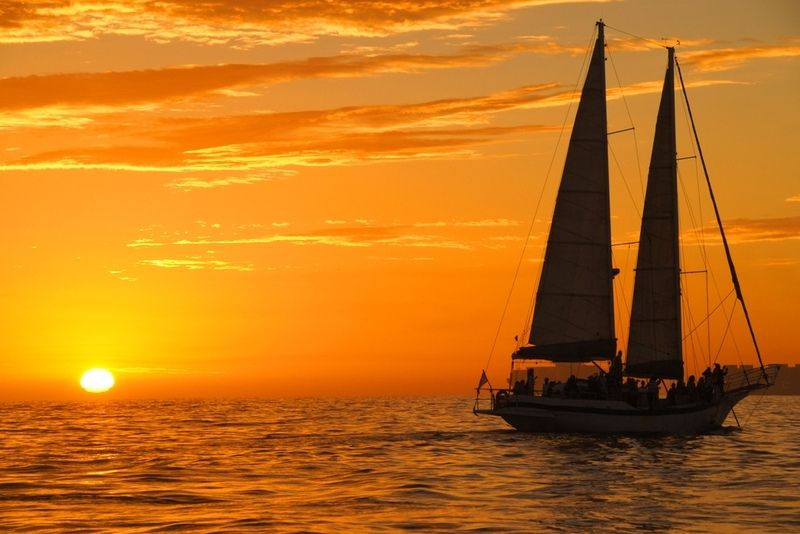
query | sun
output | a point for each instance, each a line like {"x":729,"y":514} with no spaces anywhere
{"x":97,"y":380}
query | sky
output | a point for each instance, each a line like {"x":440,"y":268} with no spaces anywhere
{"x":282,"y":199}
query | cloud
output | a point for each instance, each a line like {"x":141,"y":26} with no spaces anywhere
{"x":780,"y":262}
{"x":793,"y":198}
{"x":190,"y":183}
{"x":360,"y":233}
{"x":350,"y":237}
{"x":728,"y":58}
{"x":102,"y":92}
{"x":263,"y":142}
{"x":636,"y":44}
{"x":196,"y":263}
{"x":483,"y":223}
{"x":755,"y":230}
{"x":245,"y":23}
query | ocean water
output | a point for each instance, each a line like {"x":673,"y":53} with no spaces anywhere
{"x":382,"y":465}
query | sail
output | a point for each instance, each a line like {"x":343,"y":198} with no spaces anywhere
{"x":654,"y":342}
{"x":574,"y":318}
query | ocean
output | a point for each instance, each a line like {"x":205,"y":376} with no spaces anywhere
{"x":382,"y":465}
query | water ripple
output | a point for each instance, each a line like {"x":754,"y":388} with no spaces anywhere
{"x":409,"y":464}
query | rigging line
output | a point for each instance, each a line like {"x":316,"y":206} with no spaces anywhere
{"x":734,"y":277}
{"x":661,"y":45}
{"x":630,"y":119}
{"x":699,"y":228}
{"x":695,"y":225}
{"x":617,"y":309}
{"x":539,"y":201}
{"x":701,"y":231}
{"x":624,"y":181}
{"x":755,"y":406}
{"x":736,"y":418}
{"x":725,"y":334}
{"x":620,"y":287}
{"x":689,"y":320}
{"x":710,"y":314}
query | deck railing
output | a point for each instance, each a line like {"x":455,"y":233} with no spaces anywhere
{"x":754,"y":378}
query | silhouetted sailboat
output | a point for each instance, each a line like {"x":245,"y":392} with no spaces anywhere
{"x":573,"y":318}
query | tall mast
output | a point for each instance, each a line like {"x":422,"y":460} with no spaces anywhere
{"x":731,"y":266}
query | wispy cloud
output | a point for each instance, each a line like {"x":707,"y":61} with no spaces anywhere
{"x":636,"y":44}
{"x":780,"y":262}
{"x":264,"y":141}
{"x":243,"y":146}
{"x":101,"y":92}
{"x":359,"y":233}
{"x":245,"y":23}
{"x":728,"y":58}
{"x":197,"y":182}
{"x":793,"y":198}
{"x":753,"y":230}
{"x":347,"y":237}
{"x":197,"y":263}
{"x":483,"y":223}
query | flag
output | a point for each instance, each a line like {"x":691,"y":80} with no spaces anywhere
{"x":484,"y":379}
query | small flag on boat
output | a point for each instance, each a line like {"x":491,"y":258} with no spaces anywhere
{"x":484,"y":379}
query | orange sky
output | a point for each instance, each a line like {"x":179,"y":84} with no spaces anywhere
{"x":330,"y":198}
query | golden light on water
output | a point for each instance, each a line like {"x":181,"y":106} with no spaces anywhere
{"x":97,"y":380}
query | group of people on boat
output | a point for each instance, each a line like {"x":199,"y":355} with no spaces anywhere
{"x":642,"y":393}
{"x":709,"y":386}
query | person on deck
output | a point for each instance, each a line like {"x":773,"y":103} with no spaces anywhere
{"x":571,"y":387}
{"x":652,"y":393}
{"x":615,"y":370}
{"x":691,"y":389}
{"x":719,"y":377}
{"x":681,"y":392}
{"x":672,"y":394}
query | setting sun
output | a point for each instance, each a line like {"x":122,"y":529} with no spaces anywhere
{"x":97,"y":380}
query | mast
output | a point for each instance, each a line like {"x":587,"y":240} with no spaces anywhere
{"x":731,"y":266}
{"x":573,"y":317}
{"x":655,"y":338}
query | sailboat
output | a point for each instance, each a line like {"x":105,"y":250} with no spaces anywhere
{"x":573,"y":315}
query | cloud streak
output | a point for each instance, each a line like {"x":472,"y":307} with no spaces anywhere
{"x":244,"y":143}
{"x":99,"y":91}
{"x":457,"y":235}
{"x":246,"y":23}
{"x":261,"y":143}
{"x":758,"y":230}
{"x":197,"y":263}
{"x":729,"y":58}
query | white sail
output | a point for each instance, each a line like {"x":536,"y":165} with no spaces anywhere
{"x":654,"y":342}
{"x":574,"y":318}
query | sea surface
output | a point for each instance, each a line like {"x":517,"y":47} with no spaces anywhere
{"x":382,"y":465}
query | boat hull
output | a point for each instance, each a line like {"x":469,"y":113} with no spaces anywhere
{"x":543,"y":414}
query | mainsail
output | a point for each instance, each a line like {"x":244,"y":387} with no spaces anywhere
{"x":574,"y":317}
{"x":654,"y":342}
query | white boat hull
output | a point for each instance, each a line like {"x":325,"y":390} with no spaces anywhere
{"x":547,"y":414}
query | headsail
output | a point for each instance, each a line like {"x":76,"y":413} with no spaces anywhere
{"x":574,"y":317}
{"x":654,"y":342}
